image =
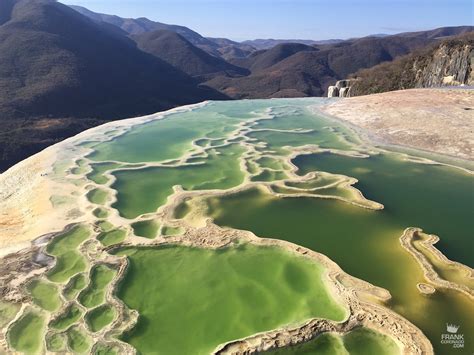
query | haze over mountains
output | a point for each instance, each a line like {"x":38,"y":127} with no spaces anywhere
{"x":65,"y":69}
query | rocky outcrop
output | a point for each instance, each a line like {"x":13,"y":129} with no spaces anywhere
{"x":449,"y":63}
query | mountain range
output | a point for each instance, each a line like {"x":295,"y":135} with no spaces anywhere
{"x":301,"y":70}
{"x":274,"y":67}
{"x":64,"y":69}
{"x":214,"y":46}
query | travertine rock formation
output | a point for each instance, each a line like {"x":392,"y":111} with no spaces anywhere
{"x":341,"y":89}
{"x":450,"y":63}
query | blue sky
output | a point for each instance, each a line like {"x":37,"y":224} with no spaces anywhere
{"x":302,"y":19}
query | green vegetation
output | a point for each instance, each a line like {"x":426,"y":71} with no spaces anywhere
{"x":112,"y":237}
{"x":68,"y":260}
{"x":27,"y":333}
{"x":146,"y":229}
{"x":97,"y":196}
{"x":74,"y":286}
{"x":67,"y":318}
{"x":45,"y":295}
{"x":250,"y":278}
{"x":99,"y":317}
{"x":94,"y":294}
{"x":78,"y":340}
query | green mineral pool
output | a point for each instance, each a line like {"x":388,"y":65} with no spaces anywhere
{"x":113,"y":236}
{"x":67,"y":318}
{"x":98,"y":196}
{"x":94,"y":295}
{"x":224,"y":304}
{"x":98,"y":170}
{"x":69,"y":261}
{"x":27,"y":334}
{"x":100,"y":317}
{"x":78,"y":340}
{"x":45,"y":294}
{"x":56,"y":342}
{"x":8,"y":311}
{"x":74,"y":286}
{"x":146,"y":229}
{"x":357,"y":239}
{"x":245,"y":165}
{"x":173,"y":135}
{"x":221,"y":171}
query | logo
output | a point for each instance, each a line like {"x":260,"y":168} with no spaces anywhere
{"x":451,"y":328}
{"x":452,"y":337}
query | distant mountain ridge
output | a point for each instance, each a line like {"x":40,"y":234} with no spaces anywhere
{"x":263,"y":59}
{"x":137,"y":26}
{"x":269,"y":43}
{"x":180,"y":53}
{"x":310,"y":70}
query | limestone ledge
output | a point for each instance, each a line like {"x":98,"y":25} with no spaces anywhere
{"x":429,"y":272}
